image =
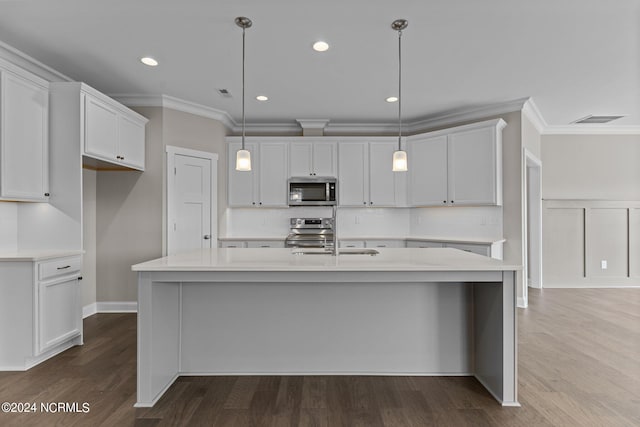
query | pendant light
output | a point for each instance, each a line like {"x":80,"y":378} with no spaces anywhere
{"x":399,"y":156}
{"x":243,"y":156}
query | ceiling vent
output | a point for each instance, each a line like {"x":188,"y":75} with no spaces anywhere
{"x":597,"y":119}
{"x":224,"y":93}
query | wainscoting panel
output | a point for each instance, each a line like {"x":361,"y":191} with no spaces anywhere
{"x":591,"y":243}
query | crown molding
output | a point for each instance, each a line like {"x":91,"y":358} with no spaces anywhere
{"x":530,"y":111}
{"x":22,"y":60}
{"x":173,"y":103}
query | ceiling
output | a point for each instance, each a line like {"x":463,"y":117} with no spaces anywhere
{"x":574,"y":57}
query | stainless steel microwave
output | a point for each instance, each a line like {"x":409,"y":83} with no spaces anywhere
{"x":312,"y":191}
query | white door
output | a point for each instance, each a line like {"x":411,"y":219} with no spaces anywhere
{"x":191,"y":202}
{"x":273,"y":173}
{"x":131,"y":142}
{"x":242,"y":190}
{"x":428,"y":171}
{"x":325,"y":155}
{"x":101,"y":130}
{"x":300,"y":158}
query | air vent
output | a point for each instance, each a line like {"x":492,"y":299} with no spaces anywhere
{"x":224,"y":93}
{"x":597,"y":119}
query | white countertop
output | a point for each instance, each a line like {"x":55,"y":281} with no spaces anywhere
{"x":36,"y":255}
{"x":278,"y":259}
{"x":471,"y":240}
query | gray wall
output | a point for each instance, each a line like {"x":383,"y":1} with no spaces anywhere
{"x":591,"y":210}
{"x":129,"y":204}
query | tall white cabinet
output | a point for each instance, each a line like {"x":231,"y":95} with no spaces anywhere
{"x":24,"y":132}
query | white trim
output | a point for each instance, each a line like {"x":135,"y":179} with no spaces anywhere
{"x":313,"y":123}
{"x":166,"y":101}
{"x":522,"y":303}
{"x":89,"y":310}
{"x":530,"y":111}
{"x":117,"y":307}
{"x":170,"y":149}
{"x":31,"y":64}
{"x":502,"y":402}
{"x":327,"y":373}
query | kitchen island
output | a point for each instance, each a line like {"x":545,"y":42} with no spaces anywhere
{"x":277,"y":312}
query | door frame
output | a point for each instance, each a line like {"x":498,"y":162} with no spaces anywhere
{"x":532,"y":224}
{"x":169,"y":206}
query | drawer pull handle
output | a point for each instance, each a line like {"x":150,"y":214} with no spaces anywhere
{"x":64,"y":268}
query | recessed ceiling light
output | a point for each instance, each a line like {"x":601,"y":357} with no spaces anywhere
{"x":392,"y":99}
{"x":147,"y":60}
{"x":262,"y":98}
{"x":320,"y":46}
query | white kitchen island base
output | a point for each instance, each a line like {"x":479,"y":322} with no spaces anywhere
{"x":402,"y":312}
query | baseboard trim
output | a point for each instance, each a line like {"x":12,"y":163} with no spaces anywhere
{"x":109,"y":307}
{"x":89,"y":310}
{"x":521,"y":303}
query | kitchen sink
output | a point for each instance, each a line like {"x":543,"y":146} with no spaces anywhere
{"x":371,"y":252}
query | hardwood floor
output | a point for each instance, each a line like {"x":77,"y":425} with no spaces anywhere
{"x":579,"y":365}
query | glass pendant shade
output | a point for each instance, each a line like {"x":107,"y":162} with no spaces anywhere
{"x":399,"y":161}
{"x":243,"y":160}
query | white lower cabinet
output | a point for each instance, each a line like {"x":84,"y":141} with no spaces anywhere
{"x":424,"y":244}
{"x":351,"y":244}
{"x":384,"y":244}
{"x":252,"y":243}
{"x":232,"y":244}
{"x":479,"y":249}
{"x":40,"y":310}
{"x":493,"y":250}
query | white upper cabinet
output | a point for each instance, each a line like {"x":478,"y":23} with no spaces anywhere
{"x":266,"y":184}
{"x":457,"y":167}
{"x":106,"y":130}
{"x":382,"y":178}
{"x":113,"y":133}
{"x":24,"y":135}
{"x":427,"y":164}
{"x":365,"y":174}
{"x":317,"y":158}
{"x":353,"y":186}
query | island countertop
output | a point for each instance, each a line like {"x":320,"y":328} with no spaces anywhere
{"x":279,"y":259}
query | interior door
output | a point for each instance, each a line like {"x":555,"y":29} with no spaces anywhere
{"x":191,"y":199}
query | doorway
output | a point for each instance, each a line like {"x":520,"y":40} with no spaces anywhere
{"x":191,"y":200}
{"x":532,"y":272}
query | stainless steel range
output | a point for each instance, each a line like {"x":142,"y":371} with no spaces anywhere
{"x":310,"y":233}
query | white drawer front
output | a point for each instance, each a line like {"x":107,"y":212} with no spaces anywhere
{"x":59,"y":267}
{"x":265,"y":244}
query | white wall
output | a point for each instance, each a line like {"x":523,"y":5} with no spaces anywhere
{"x":8,"y":226}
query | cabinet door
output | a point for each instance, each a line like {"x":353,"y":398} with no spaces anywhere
{"x":101,"y":130}
{"x":24,"y":139}
{"x":325,"y":156}
{"x":233,"y":244}
{"x":273,"y":174}
{"x":300,"y":158}
{"x":265,"y":244}
{"x":353,"y":187}
{"x":131,"y":142}
{"x":472,"y":167}
{"x":241,"y":190}
{"x":428,"y":171}
{"x":59,"y":312}
{"x":382,"y":179}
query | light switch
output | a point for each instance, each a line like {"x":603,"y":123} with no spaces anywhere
{"x":603,"y":264}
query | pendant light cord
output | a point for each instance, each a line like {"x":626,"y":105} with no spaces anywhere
{"x":243,"y":123}
{"x":399,"y":89}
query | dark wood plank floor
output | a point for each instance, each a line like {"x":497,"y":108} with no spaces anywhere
{"x":579,"y":365}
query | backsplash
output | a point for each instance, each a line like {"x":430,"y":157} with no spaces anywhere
{"x":463,"y":222}
{"x":8,"y":226}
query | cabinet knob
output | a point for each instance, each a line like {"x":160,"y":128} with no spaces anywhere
{"x":364,"y":203}
{"x":253,"y":203}
{"x":452,"y":201}
{"x":444,"y":201}
{"x":260,"y":203}
{"x":46,"y":194}
{"x":370,"y":203}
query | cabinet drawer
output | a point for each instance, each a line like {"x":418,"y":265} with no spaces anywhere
{"x":384,"y":244}
{"x":59,"y":267}
{"x":351,"y":244}
{"x":233,"y":244}
{"x":424,"y":244}
{"x":265,"y":244}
